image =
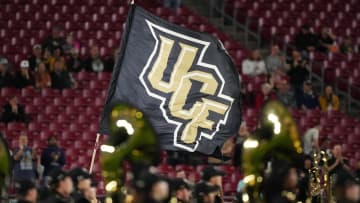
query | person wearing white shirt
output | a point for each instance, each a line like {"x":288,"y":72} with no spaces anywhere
{"x":311,"y":139}
{"x":254,"y":65}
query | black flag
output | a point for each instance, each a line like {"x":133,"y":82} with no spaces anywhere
{"x":184,"y":82}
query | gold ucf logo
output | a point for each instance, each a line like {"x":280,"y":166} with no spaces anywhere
{"x":190,"y":90}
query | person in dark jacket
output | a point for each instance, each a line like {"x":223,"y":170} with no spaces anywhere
{"x":61,"y":187}
{"x":53,"y":156}
{"x":308,"y":99}
{"x":55,"y":40}
{"x":94,"y":63}
{"x":60,"y":78}
{"x":5,"y":76}
{"x":36,"y":57}
{"x":23,"y":77}
{"x":13,"y":112}
{"x":26,"y":191}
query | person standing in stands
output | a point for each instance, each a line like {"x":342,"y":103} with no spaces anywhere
{"x":5,"y":77}
{"x":61,"y":187}
{"x":53,"y":156}
{"x":36,"y":58}
{"x":13,"y":111}
{"x":94,"y":63}
{"x":311,"y":139}
{"x":297,"y":71}
{"x":74,"y":63}
{"x":26,"y":191}
{"x":55,"y":40}
{"x":308,"y":99}
{"x":338,"y":163}
{"x":329,"y":101}
{"x":23,"y":78}
{"x":60,"y":78}
{"x":42,"y":77}
{"x":326,"y":40}
{"x":306,"y":40}
{"x":275,"y":63}
{"x":285,"y":94}
{"x":24,"y":157}
{"x":254,"y":65}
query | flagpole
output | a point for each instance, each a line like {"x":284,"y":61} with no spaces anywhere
{"x":94,"y":153}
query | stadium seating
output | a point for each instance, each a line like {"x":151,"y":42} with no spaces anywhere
{"x":72,"y":115}
{"x":281,"y":20}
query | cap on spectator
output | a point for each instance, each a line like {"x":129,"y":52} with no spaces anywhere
{"x":78,"y":174}
{"x":3,"y":60}
{"x":308,"y":82}
{"x":24,"y":64}
{"x":57,"y":175}
{"x":23,"y":186}
{"x":179,"y":183}
{"x":37,"y":46}
{"x":203,"y":188}
{"x":210,"y":172}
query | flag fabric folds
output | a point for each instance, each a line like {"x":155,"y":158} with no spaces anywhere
{"x":184,"y":82}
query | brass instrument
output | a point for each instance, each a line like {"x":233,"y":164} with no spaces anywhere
{"x":133,"y":141}
{"x":314,"y":177}
{"x":5,"y":168}
{"x":321,"y":190}
{"x":277,"y":138}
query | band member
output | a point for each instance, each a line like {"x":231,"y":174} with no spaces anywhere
{"x":214,"y":177}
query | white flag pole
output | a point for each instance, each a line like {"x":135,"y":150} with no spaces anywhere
{"x":94,"y":153}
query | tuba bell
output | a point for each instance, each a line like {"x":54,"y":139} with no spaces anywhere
{"x":132,"y":142}
{"x":276,"y":139}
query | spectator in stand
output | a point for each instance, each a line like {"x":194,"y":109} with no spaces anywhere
{"x":275,"y":63}
{"x":304,"y":179}
{"x":53,"y":156}
{"x":57,"y":56}
{"x":70,"y":44}
{"x":60,"y":78}
{"x":329,"y":101}
{"x":5,"y":77}
{"x":254,"y":65}
{"x":242,"y":135}
{"x":110,"y":62}
{"x":42,"y":77}
{"x":265,"y":95}
{"x":55,"y":40}
{"x":46,"y":58}
{"x":306,"y":40}
{"x":285,"y":94}
{"x":61,"y":187}
{"x":24,"y":78}
{"x":346,"y":46}
{"x":94,"y":63}
{"x":13,"y":112}
{"x":338,"y":163}
{"x":308,"y":99}
{"x":172,"y":4}
{"x":74,"y":63}
{"x":26,"y":191}
{"x":36,"y":57}
{"x":326,"y":40}
{"x":311,"y":139}
{"x":297,"y":71}
{"x":24,"y":157}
